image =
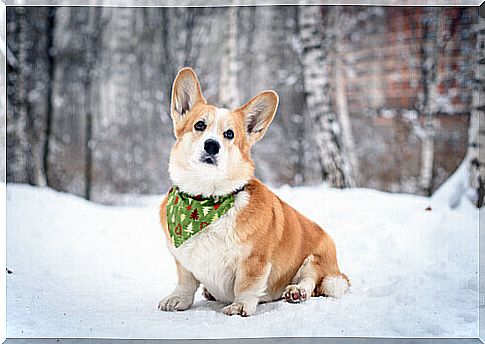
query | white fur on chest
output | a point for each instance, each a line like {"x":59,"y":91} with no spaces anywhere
{"x":213,"y":255}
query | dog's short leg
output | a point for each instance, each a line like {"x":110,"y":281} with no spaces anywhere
{"x":183,"y":295}
{"x":303,"y":283}
{"x":249,"y":286}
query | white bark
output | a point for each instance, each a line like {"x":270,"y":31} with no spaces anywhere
{"x":228,"y":93}
{"x":435,"y":22}
{"x":476,"y":134}
{"x":427,"y":161}
{"x":316,"y":74}
{"x":341,"y":98}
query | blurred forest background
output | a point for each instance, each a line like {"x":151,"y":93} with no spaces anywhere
{"x":377,"y":97}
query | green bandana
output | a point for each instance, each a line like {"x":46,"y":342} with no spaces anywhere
{"x":187,"y":215}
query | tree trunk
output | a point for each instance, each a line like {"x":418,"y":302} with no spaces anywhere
{"x":27,"y":76}
{"x":434,"y":32}
{"x":189,"y":27}
{"x":17,"y":143}
{"x":341,"y":97}
{"x":51,"y":20}
{"x":92,"y":55}
{"x":476,"y":134}
{"x":65,"y":155}
{"x":113,"y":162}
{"x":317,"y":47}
{"x":228,"y":92}
{"x":297,"y":102}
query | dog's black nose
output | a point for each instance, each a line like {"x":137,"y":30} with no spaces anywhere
{"x":211,"y":147}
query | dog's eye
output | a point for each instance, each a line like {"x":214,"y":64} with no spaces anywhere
{"x":200,"y":126}
{"x":229,"y":134}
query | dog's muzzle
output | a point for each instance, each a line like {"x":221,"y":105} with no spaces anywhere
{"x":211,"y":149}
{"x":208,"y":159}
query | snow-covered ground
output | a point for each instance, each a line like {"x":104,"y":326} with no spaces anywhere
{"x":85,"y":270}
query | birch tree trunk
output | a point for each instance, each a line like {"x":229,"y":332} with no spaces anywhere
{"x":228,"y":93}
{"x":341,"y":96}
{"x":317,"y":47}
{"x":476,"y":134}
{"x":428,"y":72}
{"x":433,"y":45}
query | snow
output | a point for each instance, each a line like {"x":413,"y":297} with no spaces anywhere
{"x":86,"y":270}
{"x":457,"y":187}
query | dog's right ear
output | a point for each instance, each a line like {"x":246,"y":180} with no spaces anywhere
{"x":186,"y":93}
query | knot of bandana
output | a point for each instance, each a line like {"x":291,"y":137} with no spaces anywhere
{"x":187,"y":215}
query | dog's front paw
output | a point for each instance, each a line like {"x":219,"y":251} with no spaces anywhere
{"x":295,"y":294}
{"x":175,"y":303}
{"x":239,"y":308}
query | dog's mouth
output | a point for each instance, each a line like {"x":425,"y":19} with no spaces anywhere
{"x":209,"y":159}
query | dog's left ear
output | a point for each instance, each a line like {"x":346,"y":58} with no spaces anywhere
{"x":186,"y":93}
{"x":259,"y":113}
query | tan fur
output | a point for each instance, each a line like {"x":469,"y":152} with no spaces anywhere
{"x":163,"y":219}
{"x":283,"y":252}
{"x":282,"y":236}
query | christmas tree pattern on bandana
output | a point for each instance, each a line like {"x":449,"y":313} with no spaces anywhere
{"x":187,"y":215}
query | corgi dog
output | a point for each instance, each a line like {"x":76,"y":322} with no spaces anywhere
{"x":258,"y":248}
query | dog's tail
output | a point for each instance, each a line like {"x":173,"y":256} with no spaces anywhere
{"x":334,"y":285}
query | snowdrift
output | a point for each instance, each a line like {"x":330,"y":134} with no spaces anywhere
{"x":84,"y":270}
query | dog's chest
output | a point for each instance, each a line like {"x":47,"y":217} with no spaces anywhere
{"x":212,"y":256}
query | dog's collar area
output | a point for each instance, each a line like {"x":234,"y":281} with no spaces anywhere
{"x":240,"y":189}
{"x":202,"y":198}
{"x":187,"y":215}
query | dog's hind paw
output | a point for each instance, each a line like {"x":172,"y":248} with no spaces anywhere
{"x":239,"y":308}
{"x":295,"y":294}
{"x":175,"y":303}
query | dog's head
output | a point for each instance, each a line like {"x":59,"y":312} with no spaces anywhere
{"x":212,"y":153}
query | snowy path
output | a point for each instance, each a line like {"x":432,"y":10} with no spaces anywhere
{"x":84,"y":270}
